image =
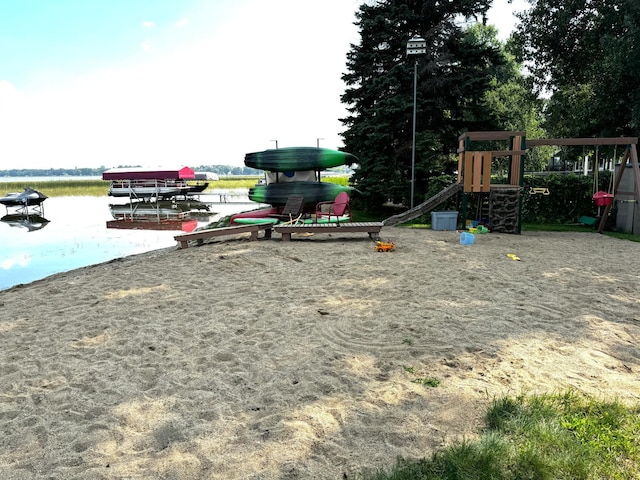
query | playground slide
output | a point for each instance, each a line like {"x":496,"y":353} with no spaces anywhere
{"x":424,"y":207}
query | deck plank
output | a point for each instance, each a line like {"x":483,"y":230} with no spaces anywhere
{"x":201,"y":235}
{"x":371,"y":228}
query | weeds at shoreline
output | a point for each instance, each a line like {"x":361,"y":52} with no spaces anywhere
{"x":99,"y":188}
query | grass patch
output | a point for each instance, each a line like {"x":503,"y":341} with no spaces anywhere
{"x":99,"y":188}
{"x":249,"y":181}
{"x":62,"y":188}
{"x":227,"y":183}
{"x":563,"y":436}
{"x":623,"y":236}
{"x":558,"y":227}
{"x":555,"y":227}
{"x":426,"y":382}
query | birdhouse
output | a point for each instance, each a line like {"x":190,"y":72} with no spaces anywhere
{"x":417,"y":46}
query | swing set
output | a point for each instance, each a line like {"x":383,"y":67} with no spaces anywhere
{"x":604,"y":199}
{"x":474,"y":166}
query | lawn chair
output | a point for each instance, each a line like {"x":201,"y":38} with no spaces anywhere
{"x":338,"y":208}
{"x":292,"y":210}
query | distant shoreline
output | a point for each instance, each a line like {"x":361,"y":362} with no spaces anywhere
{"x":40,"y":178}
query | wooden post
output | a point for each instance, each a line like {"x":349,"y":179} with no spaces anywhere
{"x":461,"y":154}
{"x":477,"y":171}
{"x":486,"y":172}
{"x":516,"y":160}
{"x":636,"y":170}
{"x":468,"y":171}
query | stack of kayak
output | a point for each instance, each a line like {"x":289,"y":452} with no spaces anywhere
{"x":286,"y":165}
{"x":296,"y":159}
{"x":276,"y":194}
{"x":292,"y":171}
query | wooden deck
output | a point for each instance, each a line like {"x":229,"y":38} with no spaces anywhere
{"x":201,"y":235}
{"x":372,"y":228}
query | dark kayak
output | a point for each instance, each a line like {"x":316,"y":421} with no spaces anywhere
{"x":313,"y":192}
{"x":295,"y":159}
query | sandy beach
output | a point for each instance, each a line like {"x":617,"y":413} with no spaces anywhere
{"x":304,"y":359}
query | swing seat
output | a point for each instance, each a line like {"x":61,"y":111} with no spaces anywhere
{"x":537,"y":190}
{"x":602,"y":199}
{"x":589,"y":221}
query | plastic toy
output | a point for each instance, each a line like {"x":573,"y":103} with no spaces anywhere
{"x":385,"y":246}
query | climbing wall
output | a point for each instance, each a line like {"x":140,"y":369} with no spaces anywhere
{"x":504,"y":210}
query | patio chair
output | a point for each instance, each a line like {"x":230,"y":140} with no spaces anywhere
{"x":338,"y":208}
{"x":292,"y":210}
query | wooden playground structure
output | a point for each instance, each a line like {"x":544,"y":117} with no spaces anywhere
{"x":475,"y":168}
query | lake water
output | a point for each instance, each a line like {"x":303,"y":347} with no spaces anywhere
{"x":82,"y":231}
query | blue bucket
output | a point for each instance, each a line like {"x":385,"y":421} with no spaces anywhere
{"x":467,"y":238}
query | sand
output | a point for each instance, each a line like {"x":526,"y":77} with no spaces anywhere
{"x":274,"y":360}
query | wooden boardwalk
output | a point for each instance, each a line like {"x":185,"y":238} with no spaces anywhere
{"x":201,"y":235}
{"x":372,"y":228}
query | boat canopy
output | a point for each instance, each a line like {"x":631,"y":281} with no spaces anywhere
{"x":140,"y":173}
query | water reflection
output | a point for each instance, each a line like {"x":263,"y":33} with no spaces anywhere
{"x":30,"y":221}
{"x":79,"y":232}
{"x":188,"y":225}
{"x":159,"y":215}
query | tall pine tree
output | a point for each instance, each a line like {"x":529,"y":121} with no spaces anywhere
{"x":459,"y":68}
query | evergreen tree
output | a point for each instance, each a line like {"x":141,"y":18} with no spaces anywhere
{"x":461,"y":65}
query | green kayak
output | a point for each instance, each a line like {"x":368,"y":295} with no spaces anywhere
{"x":295,"y":159}
{"x":255,"y":220}
{"x":277,"y":194}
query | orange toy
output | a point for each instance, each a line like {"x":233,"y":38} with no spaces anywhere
{"x":385,"y":246}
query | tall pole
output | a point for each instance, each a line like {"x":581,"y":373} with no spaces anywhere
{"x":416,"y":46}
{"x":413,"y":143}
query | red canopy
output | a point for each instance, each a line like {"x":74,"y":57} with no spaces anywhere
{"x":140,"y":173}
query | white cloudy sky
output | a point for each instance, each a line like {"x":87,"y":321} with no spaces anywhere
{"x":150,"y":82}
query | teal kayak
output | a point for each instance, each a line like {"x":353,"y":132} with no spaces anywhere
{"x":277,"y":194}
{"x":295,"y":159}
{"x":255,"y":220}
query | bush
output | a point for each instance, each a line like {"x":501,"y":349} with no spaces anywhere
{"x":569,"y":198}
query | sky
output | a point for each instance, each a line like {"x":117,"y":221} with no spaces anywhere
{"x":91,"y":83}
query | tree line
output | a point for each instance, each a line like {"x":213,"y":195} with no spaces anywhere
{"x":570,"y":69}
{"x":222,"y":170}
